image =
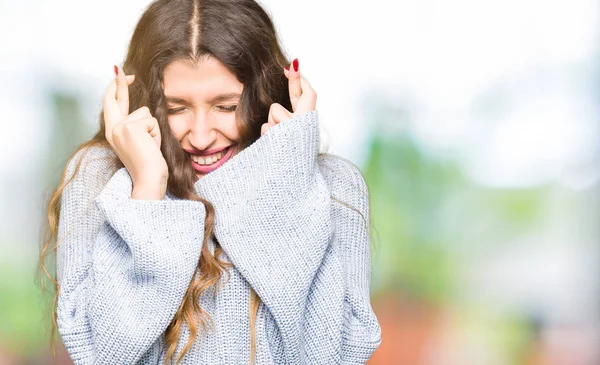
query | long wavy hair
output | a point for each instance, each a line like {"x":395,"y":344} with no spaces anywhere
{"x":241,"y":35}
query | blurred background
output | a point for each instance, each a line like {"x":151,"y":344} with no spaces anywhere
{"x":475,"y":123}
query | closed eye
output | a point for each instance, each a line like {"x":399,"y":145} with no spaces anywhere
{"x":223,"y":108}
{"x":175,"y":110}
{"x":227,"y":108}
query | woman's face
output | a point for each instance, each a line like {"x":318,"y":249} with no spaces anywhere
{"x":202,"y":100}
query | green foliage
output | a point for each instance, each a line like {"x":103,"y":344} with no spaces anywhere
{"x":429,"y":217}
{"x":68,"y":130}
{"x":23,"y":311}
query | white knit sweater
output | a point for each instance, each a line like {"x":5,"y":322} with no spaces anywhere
{"x":124,"y":265}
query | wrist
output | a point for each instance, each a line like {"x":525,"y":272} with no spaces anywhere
{"x":146,"y":191}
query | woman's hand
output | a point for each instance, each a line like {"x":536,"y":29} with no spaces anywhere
{"x":302,"y":96}
{"x":136,"y":140}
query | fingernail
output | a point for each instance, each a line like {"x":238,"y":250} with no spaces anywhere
{"x":287,"y":68}
{"x":116,"y":71}
{"x":295,"y":63}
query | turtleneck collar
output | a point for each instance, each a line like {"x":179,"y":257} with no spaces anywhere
{"x":272,"y":202}
{"x":292,"y":145}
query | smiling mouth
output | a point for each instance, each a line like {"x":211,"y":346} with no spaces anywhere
{"x":209,"y":159}
{"x":206,"y":164}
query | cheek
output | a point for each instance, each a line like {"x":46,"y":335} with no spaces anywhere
{"x":226,"y":125}
{"x":177,"y":126}
{"x":230,"y":129}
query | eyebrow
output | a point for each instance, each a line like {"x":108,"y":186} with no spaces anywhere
{"x":217,"y":99}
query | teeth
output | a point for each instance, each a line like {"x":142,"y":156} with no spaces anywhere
{"x":208,"y":160}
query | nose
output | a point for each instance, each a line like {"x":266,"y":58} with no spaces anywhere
{"x":202,"y":134}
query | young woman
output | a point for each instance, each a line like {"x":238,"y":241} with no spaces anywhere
{"x":206,"y":162}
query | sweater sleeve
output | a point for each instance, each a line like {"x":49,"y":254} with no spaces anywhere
{"x":362,"y":331}
{"x":341,"y":316}
{"x":274,"y":220}
{"x":123,"y":265}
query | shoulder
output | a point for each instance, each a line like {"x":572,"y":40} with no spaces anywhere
{"x":86,"y":173}
{"x":91,"y":166}
{"x":345,"y":181}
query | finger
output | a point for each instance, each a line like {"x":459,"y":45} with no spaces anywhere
{"x":286,"y":72}
{"x":294,"y":85}
{"x":308,"y":101}
{"x":278,"y":114}
{"x":143,"y":112}
{"x":307,"y":88}
{"x":112,"y":110}
{"x":154,"y":130}
{"x":264,"y":128}
{"x":148,"y":124}
{"x":122,"y":91}
{"x":110,"y":107}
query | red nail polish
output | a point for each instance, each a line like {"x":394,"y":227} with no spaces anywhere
{"x":287,"y":68}
{"x":296,"y":65}
{"x":116,"y":71}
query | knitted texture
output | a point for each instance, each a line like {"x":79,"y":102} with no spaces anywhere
{"x":124,"y":265}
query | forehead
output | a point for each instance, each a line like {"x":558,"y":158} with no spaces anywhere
{"x":204,"y":80}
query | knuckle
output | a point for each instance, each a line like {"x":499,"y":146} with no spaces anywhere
{"x":117,"y":130}
{"x":115,"y":136}
{"x":128,"y":127}
{"x":142,"y":111}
